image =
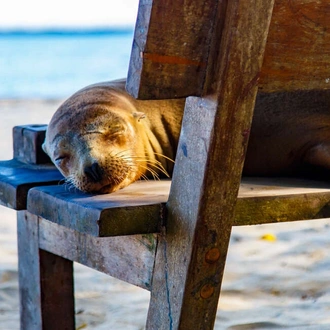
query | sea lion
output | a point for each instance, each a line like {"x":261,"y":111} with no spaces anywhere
{"x":290,"y":135}
{"x":102,"y":139}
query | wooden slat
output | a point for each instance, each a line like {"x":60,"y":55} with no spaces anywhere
{"x":138,"y":209}
{"x":16,"y":178}
{"x":297,"y":54}
{"x":271,"y":200}
{"x":128,"y":258}
{"x":169,"y":56}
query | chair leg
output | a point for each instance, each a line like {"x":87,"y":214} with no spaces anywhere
{"x":45,"y":281}
{"x":167,"y":309}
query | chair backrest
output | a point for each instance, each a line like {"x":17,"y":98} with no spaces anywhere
{"x":171,"y":50}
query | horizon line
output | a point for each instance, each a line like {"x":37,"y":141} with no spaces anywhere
{"x":65,"y":30}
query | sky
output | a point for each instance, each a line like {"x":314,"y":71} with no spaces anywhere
{"x":68,"y":13}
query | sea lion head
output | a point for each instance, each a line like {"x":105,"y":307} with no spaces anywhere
{"x":96,"y":139}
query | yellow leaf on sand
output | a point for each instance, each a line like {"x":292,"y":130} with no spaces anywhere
{"x":269,"y":237}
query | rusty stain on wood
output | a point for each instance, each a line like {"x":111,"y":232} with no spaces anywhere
{"x":166,"y":59}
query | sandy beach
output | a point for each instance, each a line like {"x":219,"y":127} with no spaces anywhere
{"x":277,"y":276}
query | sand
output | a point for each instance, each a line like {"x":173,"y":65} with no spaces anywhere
{"x":281,"y":282}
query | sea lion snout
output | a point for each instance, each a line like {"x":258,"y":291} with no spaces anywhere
{"x":94,"y":172}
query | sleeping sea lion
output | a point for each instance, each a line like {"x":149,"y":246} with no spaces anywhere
{"x":102,"y":139}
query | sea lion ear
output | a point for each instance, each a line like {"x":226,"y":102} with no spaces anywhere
{"x":139,"y":115}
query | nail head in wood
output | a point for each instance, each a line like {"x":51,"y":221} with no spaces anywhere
{"x":212,"y":255}
{"x":207,"y":291}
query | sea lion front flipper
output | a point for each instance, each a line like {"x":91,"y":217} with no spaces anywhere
{"x":319,"y":156}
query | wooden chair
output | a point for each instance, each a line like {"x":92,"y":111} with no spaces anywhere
{"x":219,"y":53}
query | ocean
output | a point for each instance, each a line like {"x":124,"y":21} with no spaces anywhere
{"x":53,"y":64}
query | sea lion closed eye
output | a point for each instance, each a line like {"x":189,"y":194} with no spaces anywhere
{"x":102,"y":139}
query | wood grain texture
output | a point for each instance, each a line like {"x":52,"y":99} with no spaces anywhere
{"x":137,"y":209}
{"x":297,"y":54}
{"x":271,"y":200}
{"x":128,"y":212}
{"x":128,"y":258}
{"x":169,"y":52}
{"x":28,"y":140}
{"x":45,"y":282}
{"x":16,"y":178}
{"x":167,"y":64}
{"x":29,"y":272}
{"x":57,"y":294}
{"x":206,"y":177}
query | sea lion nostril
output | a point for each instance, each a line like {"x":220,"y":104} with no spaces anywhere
{"x":94,"y":172}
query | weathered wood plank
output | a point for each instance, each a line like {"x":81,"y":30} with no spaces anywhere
{"x":16,"y":178}
{"x":128,"y":212}
{"x":167,"y":64}
{"x":191,"y":258}
{"x":297,"y":54}
{"x":27,"y":144}
{"x":169,"y":52}
{"x":137,"y":209}
{"x":30,"y":167}
{"x":45,"y":282}
{"x":128,"y":258}
{"x":271,"y":200}
{"x":29,"y":272}
{"x":57,"y":295}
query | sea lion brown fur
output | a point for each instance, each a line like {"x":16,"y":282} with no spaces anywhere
{"x":101,"y":139}
{"x":290,"y":135}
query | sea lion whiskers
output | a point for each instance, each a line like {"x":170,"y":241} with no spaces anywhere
{"x":134,"y":167}
{"x":131,"y":160}
{"x":167,"y":158}
{"x":151,"y":163}
{"x":156,"y":164}
{"x":152,"y":172}
{"x":69,"y":182}
{"x":155,"y":161}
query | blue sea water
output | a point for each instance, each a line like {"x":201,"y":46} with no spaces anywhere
{"x":55,"y":64}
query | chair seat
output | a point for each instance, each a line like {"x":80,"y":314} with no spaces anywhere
{"x":16,"y":178}
{"x":139,"y":208}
